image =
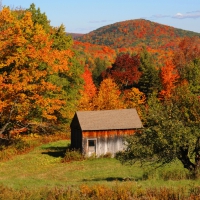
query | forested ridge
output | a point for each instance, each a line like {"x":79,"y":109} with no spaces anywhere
{"x":132,"y":33}
{"x":45,"y":76}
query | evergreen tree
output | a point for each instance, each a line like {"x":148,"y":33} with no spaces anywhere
{"x":149,"y":81}
{"x":100,"y":66}
{"x":39,"y":18}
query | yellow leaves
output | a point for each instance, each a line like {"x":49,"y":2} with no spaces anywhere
{"x":48,"y":116}
{"x":3,"y":105}
{"x":85,"y":102}
{"x":26,"y":23}
{"x":41,"y":39}
{"x":61,"y":63}
{"x":51,"y":106}
{"x":108,"y":96}
{"x":133,"y":98}
{"x":5,"y":16}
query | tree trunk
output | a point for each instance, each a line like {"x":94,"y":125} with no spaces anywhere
{"x":197,"y":156}
{"x":184,"y":158}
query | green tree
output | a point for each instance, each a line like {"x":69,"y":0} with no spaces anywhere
{"x":71,"y":84}
{"x":61,"y":40}
{"x":171,"y":131}
{"x":39,"y":18}
{"x":149,"y":81}
{"x":100,"y":66}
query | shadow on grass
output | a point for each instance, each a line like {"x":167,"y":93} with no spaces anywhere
{"x":110,"y":179}
{"x":55,"y":151}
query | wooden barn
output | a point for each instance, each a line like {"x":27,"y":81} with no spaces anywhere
{"x":101,"y":132}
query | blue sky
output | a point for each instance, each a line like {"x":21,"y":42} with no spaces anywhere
{"x":83,"y":16}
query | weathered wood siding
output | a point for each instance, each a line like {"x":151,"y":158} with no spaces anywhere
{"x":106,"y":141}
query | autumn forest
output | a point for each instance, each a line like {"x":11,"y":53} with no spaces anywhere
{"x":47,"y":74}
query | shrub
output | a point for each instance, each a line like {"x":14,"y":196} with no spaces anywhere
{"x":15,"y":147}
{"x":72,"y":155}
{"x":106,"y":155}
{"x":20,"y":145}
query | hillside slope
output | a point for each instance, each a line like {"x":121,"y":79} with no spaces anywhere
{"x":75,"y":35}
{"x":140,"y":32}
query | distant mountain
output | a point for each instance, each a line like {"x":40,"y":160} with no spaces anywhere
{"x":75,"y":35}
{"x":138,"y":32}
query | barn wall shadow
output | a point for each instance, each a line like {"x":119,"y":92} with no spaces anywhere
{"x":55,"y":151}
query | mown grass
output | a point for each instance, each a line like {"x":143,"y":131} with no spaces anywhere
{"x":42,"y":169}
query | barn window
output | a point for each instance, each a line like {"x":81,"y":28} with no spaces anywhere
{"x":91,"y":143}
{"x":92,"y":146}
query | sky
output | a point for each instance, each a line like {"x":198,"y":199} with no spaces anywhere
{"x":83,"y":16}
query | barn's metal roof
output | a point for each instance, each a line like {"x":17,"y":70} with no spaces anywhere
{"x":109,"y":119}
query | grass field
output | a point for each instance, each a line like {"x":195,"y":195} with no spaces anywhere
{"x":42,"y":167}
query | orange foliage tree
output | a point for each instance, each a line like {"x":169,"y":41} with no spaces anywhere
{"x":26,"y":60}
{"x":108,"y":96}
{"x":88,"y":92}
{"x":169,"y":77}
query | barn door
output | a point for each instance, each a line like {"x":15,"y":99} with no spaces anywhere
{"x":92,"y":143}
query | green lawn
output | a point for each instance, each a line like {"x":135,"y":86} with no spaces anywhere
{"x":42,"y":167}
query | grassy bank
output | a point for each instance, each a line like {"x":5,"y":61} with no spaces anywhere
{"x":42,"y":168}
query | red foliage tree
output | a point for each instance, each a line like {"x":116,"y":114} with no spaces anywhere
{"x":125,"y":70}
